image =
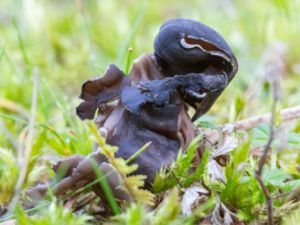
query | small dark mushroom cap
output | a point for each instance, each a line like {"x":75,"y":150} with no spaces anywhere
{"x":190,"y":45}
{"x":185,"y":46}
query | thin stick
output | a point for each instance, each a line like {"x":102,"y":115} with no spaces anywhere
{"x":262,"y":160}
{"x":261,"y":163}
{"x":25,"y":155}
{"x":246,"y":124}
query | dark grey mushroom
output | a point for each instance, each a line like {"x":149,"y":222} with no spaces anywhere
{"x":191,"y":66}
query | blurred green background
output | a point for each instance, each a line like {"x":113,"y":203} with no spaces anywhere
{"x":68,"y":42}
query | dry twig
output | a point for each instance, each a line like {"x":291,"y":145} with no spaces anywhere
{"x":261,"y":163}
{"x":273,"y":74}
{"x":246,"y":124}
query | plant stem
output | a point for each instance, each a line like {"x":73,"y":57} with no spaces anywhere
{"x":262,"y":162}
